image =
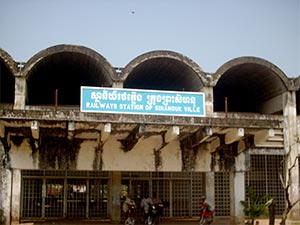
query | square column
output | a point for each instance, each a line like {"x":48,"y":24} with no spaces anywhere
{"x":115,"y":197}
{"x":5,"y":195}
{"x":15,"y":196}
{"x":20,"y":92}
{"x":292,"y":148}
{"x":237,"y":188}
{"x":210,"y":188}
{"x":237,"y":194}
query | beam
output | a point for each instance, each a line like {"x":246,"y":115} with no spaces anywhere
{"x":206,"y":133}
{"x":200,"y":136}
{"x":71,"y":126}
{"x":172,"y":134}
{"x":243,"y":120}
{"x":71,"y":129}
{"x":105,"y":132}
{"x":2,"y":131}
{"x":4,"y":138}
{"x":131,"y":140}
{"x":35,"y":129}
{"x":241,"y":146}
{"x":263,"y":135}
{"x":233,"y":135}
{"x":214,"y":144}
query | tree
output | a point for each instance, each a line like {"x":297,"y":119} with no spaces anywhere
{"x":256,"y":206}
{"x":286,"y":185}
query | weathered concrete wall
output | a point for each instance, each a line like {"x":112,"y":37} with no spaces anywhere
{"x":16,"y":196}
{"x":139,"y":158}
{"x":142,"y":156}
{"x":86,"y":155}
{"x":5,"y":188}
{"x":21,"y":156}
{"x":203,"y":160}
{"x":5,"y":195}
{"x":171,"y":157}
{"x":149,"y":154}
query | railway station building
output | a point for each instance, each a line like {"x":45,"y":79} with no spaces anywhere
{"x":77,"y":134}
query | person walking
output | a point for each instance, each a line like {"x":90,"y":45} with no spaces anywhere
{"x":145,"y":205}
{"x":128,"y":208}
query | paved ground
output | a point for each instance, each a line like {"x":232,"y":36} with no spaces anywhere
{"x":164,"y":222}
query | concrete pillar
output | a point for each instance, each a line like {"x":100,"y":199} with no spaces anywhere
{"x":117,"y":84}
{"x":237,"y":187}
{"x":209,"y":97}
{"x":210,"y":188}
{"x":5,"y":196}
{"x":115,"y":196}
{"x":292,"y":147}
{"x":237,"y":194}
{"x":233,"y":135}
{"x":15,"y":196}
{"x":20,"y":92}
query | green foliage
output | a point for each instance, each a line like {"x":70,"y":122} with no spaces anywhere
{"x":257,"y":206}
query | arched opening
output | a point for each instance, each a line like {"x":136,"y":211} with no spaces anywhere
{"x":7,"y":84}
{"x":248,"y":86}
{"x":61,"y":74}
{"x":163,"y":70}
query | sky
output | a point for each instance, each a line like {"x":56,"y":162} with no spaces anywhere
{"x":210,"y":32}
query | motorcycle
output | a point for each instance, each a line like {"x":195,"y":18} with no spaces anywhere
{"x":155,"y":214}
{"x":206,"y":216}
{"x":130,"y":215}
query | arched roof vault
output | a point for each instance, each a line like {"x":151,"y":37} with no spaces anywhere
{"x":259,"y":68}
{"x":8,"y":61}
{"x":8,"y":71}
{"x":163,"y":70}
{"x":65,"y":68}
{"x":90,"y":59}
{"x":248,"y":82}
{"x":296,"y":82}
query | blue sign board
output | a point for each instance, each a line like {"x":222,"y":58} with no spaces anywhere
{"x":136,"y":101}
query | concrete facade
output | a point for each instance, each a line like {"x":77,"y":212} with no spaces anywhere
{"x":251,"y":106}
